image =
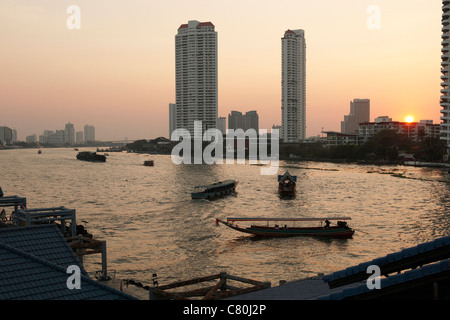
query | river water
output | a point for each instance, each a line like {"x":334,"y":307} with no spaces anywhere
{"x":151,"y":224}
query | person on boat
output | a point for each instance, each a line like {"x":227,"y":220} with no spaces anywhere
{"x":3,"y":215}
{"x":327,"y":224}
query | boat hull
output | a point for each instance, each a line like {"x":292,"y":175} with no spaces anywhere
{"x":91,"y":156}
{"x":261,"y":231}
{"x":218,"y":190}
{"x":212,"y":195}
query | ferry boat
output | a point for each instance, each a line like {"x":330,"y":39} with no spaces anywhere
{"x":215,"y":190}
{"x":287,"y":184}
{"x":325,"y":229}
{"x":91,"y":156}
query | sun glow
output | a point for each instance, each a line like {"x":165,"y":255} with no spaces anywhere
{"x":409,"y":119}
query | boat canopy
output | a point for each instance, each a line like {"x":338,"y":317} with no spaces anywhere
{"x":217,"y":184}
{"x":285,"y":176}
{"x":288,"y":219}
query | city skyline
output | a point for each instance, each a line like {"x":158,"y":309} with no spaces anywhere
{"x":118,"y":69}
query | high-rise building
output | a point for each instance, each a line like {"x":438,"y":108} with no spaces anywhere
{"x":5,"y":135}
{"x":359,"y":113}
{"x":222,"y":125}
{"x":445,"y":69}
{"x":89,"y":133}
{"x":196,"y":75}
{"x":79,"y":137}
{"x":250,"y":121}
{"x":235,"y":120}
{"x":293,"y":86}
{"x":172,"y":118}
{"x":69,"y":133}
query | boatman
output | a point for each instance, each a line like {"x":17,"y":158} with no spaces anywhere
{"x":327,"y":224}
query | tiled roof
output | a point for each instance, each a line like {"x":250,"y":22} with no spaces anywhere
{"x":44,"y":241}
{"x":33,"y":265}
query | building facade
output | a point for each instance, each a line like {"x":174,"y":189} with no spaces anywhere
{"x":6,"y":135}
{"x":359,"y":113}
{"x":69,"y":133}
{"x":293,"y":86}
{"x":249,"y":120}
{"x":445,"y":77}
{"x":222,"y":125}
{"x":172,"y":118}
{"x":89,"y":133}
{"x":196,"y":75}
{"x":413,"y":130}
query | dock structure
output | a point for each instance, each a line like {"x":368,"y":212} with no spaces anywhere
{"x":223,"y":288}
{"x":80,"y":243}
{"x":28,"y":217}
{"x":11,"y":201}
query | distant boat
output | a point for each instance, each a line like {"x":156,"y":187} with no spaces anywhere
{"x":91,"y":156}
{"x":287,"y":184}
{"x":215,"y":190}
{"x":340,"y":230}
{"x":149,"y":163}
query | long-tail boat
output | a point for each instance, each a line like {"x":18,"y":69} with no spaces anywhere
{"x":215,"y":190}
{"x":325,"y":229}
{"x":287,"y":184}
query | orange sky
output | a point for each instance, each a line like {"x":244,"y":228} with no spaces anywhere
{"x":117,"y":72}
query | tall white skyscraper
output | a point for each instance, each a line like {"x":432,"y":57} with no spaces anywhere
{"x":293,"y":86}
{"x":196,"y":75}
{"x":445,"y":77}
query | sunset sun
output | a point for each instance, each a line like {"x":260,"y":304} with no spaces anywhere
{"x":409,"y":119}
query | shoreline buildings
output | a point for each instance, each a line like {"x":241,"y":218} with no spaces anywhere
{"x":445,"y":77}
{"x":196,"y":76}
{"x":293,"y":86}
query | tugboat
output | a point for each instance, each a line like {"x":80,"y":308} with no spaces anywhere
{"x":91,"y":156}
{"x":287,"y":184}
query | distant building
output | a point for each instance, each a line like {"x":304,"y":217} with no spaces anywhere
{"x":293,"y":86}
{"x":69,"y":133}
{"x":339,"y":138}
{"x":222,"y":125}
{"x":31,"y":139}
{"x":172,"y":118}
{"x":249,"y":120}
{"x":359,"y":112}
{"x":413,"y":130}
{"x":235,"y":120}
{"x":79,"y":137}
{"x":89,"y":133}
{"x":6,"y":135}
{"x":196,"y":76}
{"x":445,"y":76}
